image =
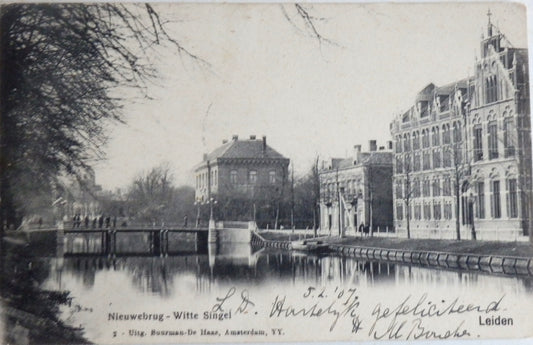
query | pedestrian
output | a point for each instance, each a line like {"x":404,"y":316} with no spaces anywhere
{"x":101,"y":221}
{"x":86,"y":220}
{"x":185,"y":220}
{"x":107,"y":221}
{"x":40,"y":222}
{"x":73,"y":221}
{"x":94,"y":222}
{"x":114,"y":222}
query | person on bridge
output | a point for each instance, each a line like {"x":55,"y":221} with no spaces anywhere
{"x":185,"y":220}
{"x":101,"y":221}
{"x":86,"y":221}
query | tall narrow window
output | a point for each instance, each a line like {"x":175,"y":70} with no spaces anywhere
{"x":436,"y":211}
{"x":252,"y":177}
{"x":272,"y":177}
{"x":436,"y":159}
{"x":478,"y":143}
{"x":435,"y":137}
{"x":512,"y":198}
{"x":416,"y":161}
{"x":447,"y":157}
{"x":233,"y":177}
{"x":509,"y":138}
{"x":427,"y":211}
{"x":425,"y":138}
{"x":447,"y":187}
{"x":436,"y":187}
{"x":495,"y":200}
{"x":493,"y":140}
{"x":399,"y":191}
{"x":416,"y":141}
{"x":399,"y":164}
{"x":425,"y":188}
{"x":399,"y":212}
{"x":480,"y":189}
{"x":406,"y":143}
{"x":446,"y":134}
{"x":457,"y":132}
{"x":426,"y":160}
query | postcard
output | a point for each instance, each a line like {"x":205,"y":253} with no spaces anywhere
{"x":176,"y":173}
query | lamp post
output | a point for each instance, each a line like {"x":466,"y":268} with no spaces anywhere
{"x":471,"y":201}
{"x":197,"y":204}
{"x":328,"y":205}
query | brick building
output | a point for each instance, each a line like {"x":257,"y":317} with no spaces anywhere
{"x":245,"y":179}
{"x":462,"y":164}
{"x":364,"y":184}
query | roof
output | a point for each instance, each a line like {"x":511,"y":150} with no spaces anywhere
{"x":243,"y":149}
{"x":366,"y":158}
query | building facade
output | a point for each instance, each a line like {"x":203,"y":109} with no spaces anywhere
{"x":242,"y":180}
{"x":357,"y":191}
{"x":462,"y":166}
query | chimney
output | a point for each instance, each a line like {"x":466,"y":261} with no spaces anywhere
{"x":224,"y":141}
{"x":389,"y":144}
{"x":264,"y":143}
{"x":252,"y":137}
{"x":205,"y":157}
{"x":356,"y":153}
{"x":372,"y":145}
{"x":235,"y":137}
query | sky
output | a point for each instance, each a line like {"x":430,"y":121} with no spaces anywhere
{"x":268,"y":75}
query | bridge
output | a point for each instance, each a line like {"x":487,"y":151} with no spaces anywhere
{"x":153,"y":241}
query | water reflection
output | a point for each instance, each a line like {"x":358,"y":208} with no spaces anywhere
{"x":159,"y":281}
{"x":243,"y":265}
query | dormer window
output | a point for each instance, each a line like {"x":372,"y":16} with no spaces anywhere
{"x":424,"y":108}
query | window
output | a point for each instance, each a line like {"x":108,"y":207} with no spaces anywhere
{"x":407,"y":163}
{"x":427,"y":211}
{"x":480,"y":189}
{"x":435,"y":136}
{"x":509,"y":139}
{"x":456,"y":132}
{"x":495,"y":200}
{"x":478,"y":143}
{"x":425,"y":188}
{"x":272,"y":177}
{"x":406,"y":143}
{"x":436,"y":187}
{"x":436,"y":211}
{"x":447,"y":211}
{"x":399,"y":164}
{"x":416,"y":161}
{"x":416,"y":141}
{"x":398,"y":144}
{"x":252,"y":177}
{"x":399,"y":191}
{"x":424,"y":108}
{"x":425,"y":138}
{"x":399,"y":212}
{"x":446,"y":139}
{"x":447,"y":157}
{"x":233,"y":177}
{"x":491,"y":89}
{"x":416,"y":188}
{"x":426,"y":163}
{"x":447,"y":187}
{"x":436,"y":159}
{"x":493,"y":140}
{"x":512,"y":206}
{"x":418,"y":212}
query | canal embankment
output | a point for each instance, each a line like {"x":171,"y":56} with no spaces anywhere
{"x":490,"y":256}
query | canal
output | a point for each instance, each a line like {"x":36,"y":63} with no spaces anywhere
{"x":103,"y":290}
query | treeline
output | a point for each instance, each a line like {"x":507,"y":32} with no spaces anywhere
{"x":152,"y":198}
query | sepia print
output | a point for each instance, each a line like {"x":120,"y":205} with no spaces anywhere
{"x":227,"y":173}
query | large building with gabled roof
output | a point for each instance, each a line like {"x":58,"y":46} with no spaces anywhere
{"x":244,"y":179}
{"x":462,"y":167}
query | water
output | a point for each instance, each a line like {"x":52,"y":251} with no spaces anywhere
{"x":103,"y":287}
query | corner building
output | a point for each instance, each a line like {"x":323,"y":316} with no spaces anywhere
{"x":244,"y":179}
{"x":356,"y":191}
{"x":462,"y":165}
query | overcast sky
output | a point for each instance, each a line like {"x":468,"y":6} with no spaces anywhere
{"x":268,"y":76}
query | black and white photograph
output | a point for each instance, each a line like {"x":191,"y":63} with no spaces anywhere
{"x":177,"y":173}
